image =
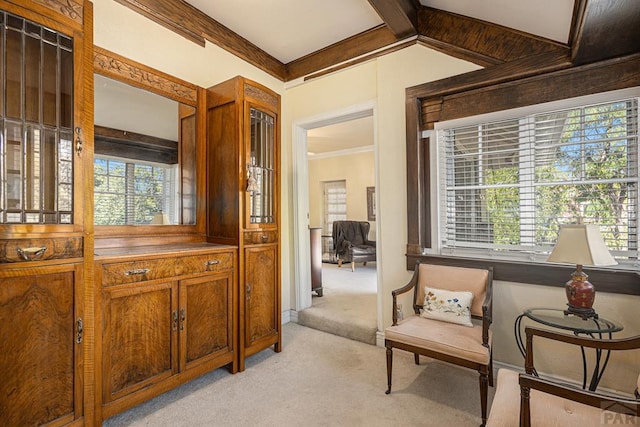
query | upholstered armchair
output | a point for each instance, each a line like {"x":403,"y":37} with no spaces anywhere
{"x":524,"y":399}
{"x":351,"y":242}
{"x":452,"y":315}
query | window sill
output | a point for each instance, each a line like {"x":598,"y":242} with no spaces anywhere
{"x":611,"y":281}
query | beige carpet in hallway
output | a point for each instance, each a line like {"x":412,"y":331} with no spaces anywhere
{"x":348,"y":305}
{"x":318,"y":379}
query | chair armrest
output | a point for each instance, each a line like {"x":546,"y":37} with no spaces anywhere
{"x":596,"y":343}
{"x":611,"y":403}
{"x":629,"y":343}
{"x":406,"y":288}
{"x":370,"y":242}
{"x":487,"y":309}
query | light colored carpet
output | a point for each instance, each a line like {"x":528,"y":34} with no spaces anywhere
{"x":348,"y":305}
{"x":318,"y":379}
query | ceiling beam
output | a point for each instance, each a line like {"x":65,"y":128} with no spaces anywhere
{"x":346,"y":50}
{"x":481,"y":42}
{"x":191,"y":23}
{"x":605,"y":29}
{"x":401,"y":16}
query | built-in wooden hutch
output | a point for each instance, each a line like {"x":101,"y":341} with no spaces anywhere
{"x":132,"y":259}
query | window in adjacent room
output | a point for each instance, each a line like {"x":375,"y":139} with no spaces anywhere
{"x":335,"y":209}
{"x":506,"y":186}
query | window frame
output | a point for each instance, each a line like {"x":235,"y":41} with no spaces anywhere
{"x":489,"y":90}
{"x":525,"y":118}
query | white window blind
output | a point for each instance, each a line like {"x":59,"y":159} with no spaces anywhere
{"x":335,"y":209}
{"x":128,"y":192}
{"x":507,"y":186}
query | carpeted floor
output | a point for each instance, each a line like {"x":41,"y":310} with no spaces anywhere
{"x":318,"y":379}
{"x":348,"y":305}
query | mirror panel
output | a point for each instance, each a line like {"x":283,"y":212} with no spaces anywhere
{"x":145,"y":167}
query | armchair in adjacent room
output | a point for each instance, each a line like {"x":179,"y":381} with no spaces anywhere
{"x":351,"y":242}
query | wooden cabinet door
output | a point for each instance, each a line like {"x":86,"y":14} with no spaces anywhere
{"x":261,"y":315}
{"x":206,"y":318}
{"x":139,"y":337}
{"x":41,"y":345}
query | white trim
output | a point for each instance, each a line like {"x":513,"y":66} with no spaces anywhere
{"x":300,"y":194}
{"x":346,"y":152}
{"x":289,"y":316}
{"x":380,"y":338}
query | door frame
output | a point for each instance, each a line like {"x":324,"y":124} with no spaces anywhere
{"x":301,"y":250}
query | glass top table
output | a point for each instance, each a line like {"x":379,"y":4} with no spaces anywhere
{"x":594,"y":327}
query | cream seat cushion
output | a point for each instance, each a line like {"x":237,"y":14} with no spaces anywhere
{"x":546,"y":409}
{"x":447,"y":338}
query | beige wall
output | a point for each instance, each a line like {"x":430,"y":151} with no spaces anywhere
{"x":358,"y":172}
{"x":382,"y":81}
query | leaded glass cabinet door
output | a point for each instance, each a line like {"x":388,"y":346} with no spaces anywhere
{"x":37,"y":128}
{"x":261,"y":169}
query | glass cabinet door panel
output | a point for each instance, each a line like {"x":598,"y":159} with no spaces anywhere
{"x":36,"y":124}
{"x":261,"y":168}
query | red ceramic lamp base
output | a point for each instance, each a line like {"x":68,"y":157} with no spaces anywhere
{"x":580,"y":295}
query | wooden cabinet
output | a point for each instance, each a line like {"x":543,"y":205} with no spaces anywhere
{"x":243,"y":175}
{"x":41,"y":345}
{"x":167,"y":317}
{"x":45,"y":135}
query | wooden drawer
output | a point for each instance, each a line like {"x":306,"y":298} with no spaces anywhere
{"x":137,"y":271}
{"x":21,"y":250}
{"x":257,"y":237}
{"x":218,"y":261}
{"x":119,"y":273}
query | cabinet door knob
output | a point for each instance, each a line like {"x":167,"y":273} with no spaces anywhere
{"x":183,"y":316}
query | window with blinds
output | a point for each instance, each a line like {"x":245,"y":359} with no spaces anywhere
{"x":507,"y":186}
{"x":131,"y":192}
{"x":335,"y":209}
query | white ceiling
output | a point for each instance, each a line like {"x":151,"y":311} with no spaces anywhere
{"x":290,"y":29}
{"x":545,"y":18}
{"x":342,"y":136}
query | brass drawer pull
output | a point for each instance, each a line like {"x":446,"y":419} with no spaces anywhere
{"x":265,"y":237}
{"x":212,"y":262}
{"x":31,"y":254}
{"x":136,"y":272}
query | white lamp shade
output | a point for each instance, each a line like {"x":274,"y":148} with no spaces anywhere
{"x":581,"y":244}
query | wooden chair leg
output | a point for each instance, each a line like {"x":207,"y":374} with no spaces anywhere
{"x":484,"y":390}
{"x":389,"y":367}
{"x":339,"y":263}
{"x":416,"y":358}
{"x":353,"y":266}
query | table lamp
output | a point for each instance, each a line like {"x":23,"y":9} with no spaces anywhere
{"x":581,"y":244}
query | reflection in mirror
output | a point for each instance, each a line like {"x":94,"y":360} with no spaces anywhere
{"x":144,"y":167}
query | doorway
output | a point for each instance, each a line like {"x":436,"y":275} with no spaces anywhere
{"x":302,"y":217}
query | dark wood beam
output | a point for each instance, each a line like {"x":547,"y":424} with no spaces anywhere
{"x":401,"y":16}
{"x":194,"y":25}
{"x":478,"y":41}
{"x":605,"y":29}
{"x":348,"y":49}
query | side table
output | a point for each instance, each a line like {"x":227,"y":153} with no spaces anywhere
{"x":595,"y":327}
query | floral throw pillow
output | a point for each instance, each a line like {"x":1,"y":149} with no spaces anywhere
{"x":448,"y":306}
